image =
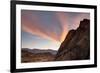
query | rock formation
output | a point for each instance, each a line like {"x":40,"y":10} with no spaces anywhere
{"x":76,"y":45}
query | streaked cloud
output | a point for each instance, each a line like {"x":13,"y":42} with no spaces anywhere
{"x":63,"y":21}
{"x":31,"y":24}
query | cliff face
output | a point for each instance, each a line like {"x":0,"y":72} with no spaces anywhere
{"x":76,"y":45}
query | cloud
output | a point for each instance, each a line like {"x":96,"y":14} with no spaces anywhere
{"x":31,"y":24}
{"x":63,"y":21}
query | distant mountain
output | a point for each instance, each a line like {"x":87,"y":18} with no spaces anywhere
{"x":37,"y":55}
{"x":76,"y":45}
{"x":35,"y":51}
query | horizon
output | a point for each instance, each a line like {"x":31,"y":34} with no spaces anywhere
{"x":48,"y":29}
{"x":39,"y":49}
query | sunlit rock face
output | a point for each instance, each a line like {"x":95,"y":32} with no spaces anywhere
{"x":76,"y":45}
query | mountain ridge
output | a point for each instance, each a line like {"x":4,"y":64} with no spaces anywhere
{"x":37,"y":55}
{"x":40,"y":50}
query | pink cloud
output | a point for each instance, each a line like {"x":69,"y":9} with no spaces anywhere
{"x":63,"y":21}
{"x":33,"y":26}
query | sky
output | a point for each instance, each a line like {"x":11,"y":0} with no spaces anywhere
{"x":47,"y":29}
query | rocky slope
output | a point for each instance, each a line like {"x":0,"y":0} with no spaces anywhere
{"x":76,"y":45}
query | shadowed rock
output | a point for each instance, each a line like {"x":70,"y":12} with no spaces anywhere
{"x":76,"y":45}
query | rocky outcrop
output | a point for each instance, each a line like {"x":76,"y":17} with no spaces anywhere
{"x":76,"y":45}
